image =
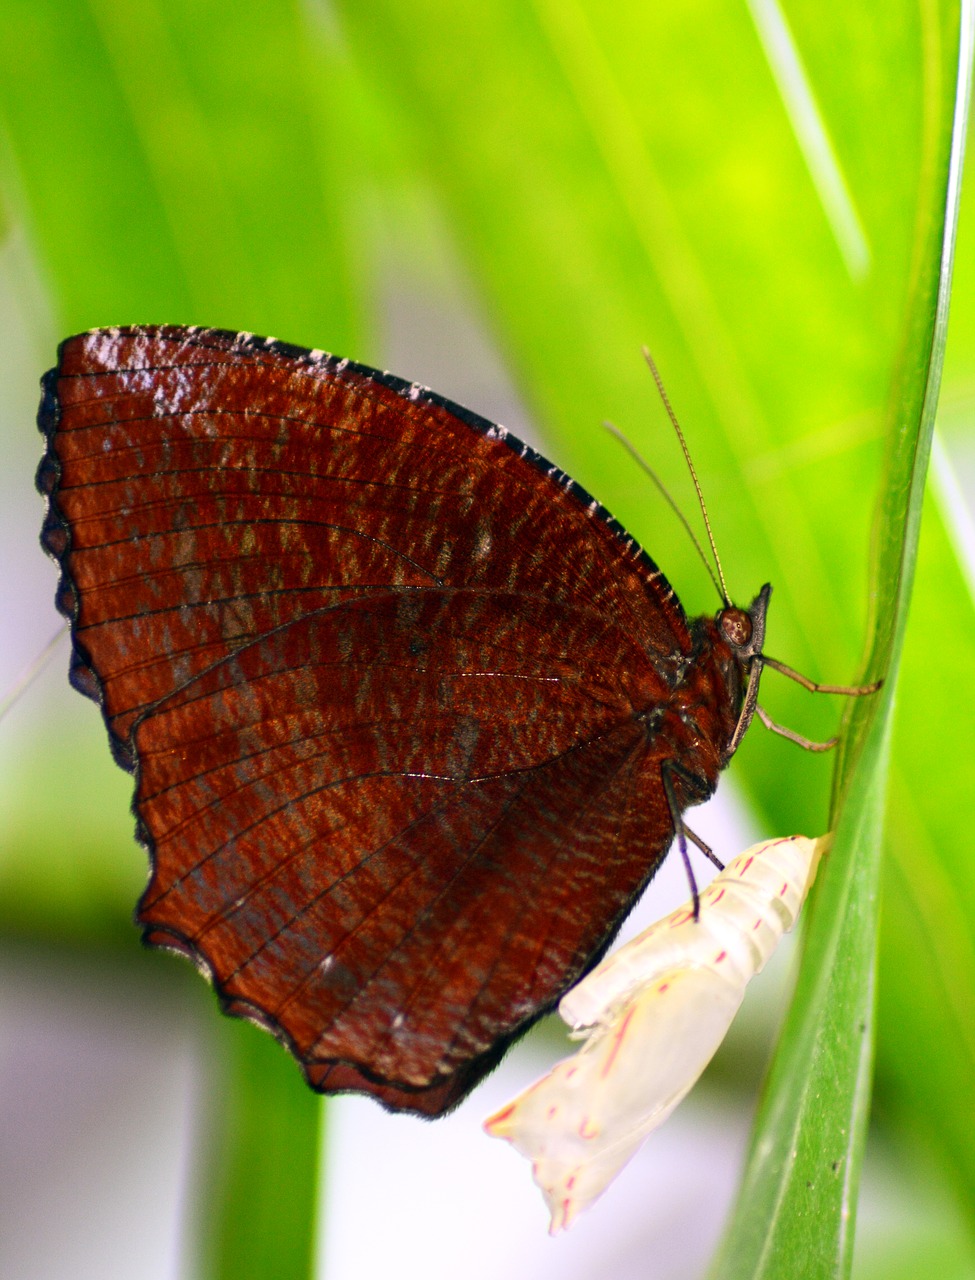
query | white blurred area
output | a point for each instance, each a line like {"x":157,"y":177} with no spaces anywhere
{"x":99,"y":1081}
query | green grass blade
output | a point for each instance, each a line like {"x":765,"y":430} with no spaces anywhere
{"x":796,"y":1208}
{"x":927,"y":951}
{"x":258,"y":1195}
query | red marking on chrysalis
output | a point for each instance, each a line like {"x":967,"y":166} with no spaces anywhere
{"x":618,"y":1036}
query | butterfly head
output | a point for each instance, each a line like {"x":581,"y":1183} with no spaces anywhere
{"x":744,"y":629}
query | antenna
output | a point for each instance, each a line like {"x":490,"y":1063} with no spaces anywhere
{"x":31,"y":672}
{"x":642,"y":462}
{"x":690,"y":466}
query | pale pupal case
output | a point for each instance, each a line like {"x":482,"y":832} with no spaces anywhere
{"x":653,"y":1014}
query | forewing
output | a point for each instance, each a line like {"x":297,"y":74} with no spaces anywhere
{"x":206,"y":487}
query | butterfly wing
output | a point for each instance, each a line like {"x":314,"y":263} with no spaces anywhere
{"x":376,"y":666}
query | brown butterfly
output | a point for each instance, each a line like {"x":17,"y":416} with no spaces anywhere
{"x":412,"y":719}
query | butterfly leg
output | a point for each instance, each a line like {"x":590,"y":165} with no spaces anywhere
{"x":849,"y":690}
{"x":705,"y":848}
{"x":805,"y":743}
{"x":668,"y":770}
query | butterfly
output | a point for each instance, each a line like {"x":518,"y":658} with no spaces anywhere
{"x":412,"y":719}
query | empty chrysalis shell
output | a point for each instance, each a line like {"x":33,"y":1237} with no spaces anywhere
{"x":653,"y":1015}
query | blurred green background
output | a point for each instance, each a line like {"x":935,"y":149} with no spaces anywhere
{"x":753,"y":192}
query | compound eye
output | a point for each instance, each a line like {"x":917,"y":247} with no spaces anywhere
{"x":736,"y":627}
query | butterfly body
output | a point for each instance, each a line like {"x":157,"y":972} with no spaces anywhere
{"x":402,"y":702}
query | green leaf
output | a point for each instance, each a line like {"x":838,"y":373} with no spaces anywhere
{"x":797,"y":1203}
{"x":258,"y":1192}
{"x":173,"y":162}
